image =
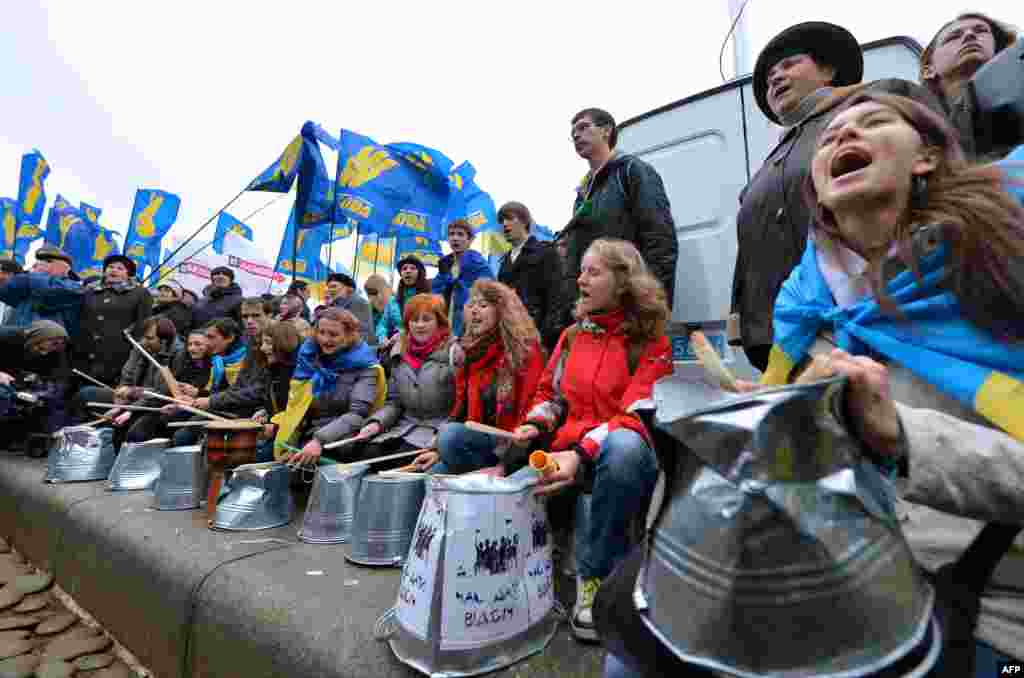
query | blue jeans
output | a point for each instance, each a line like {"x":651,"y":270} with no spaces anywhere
{"x":624,"y":477}
{"x":463,"y":450}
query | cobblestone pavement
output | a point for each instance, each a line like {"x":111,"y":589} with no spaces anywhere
{"x":43,"y":633}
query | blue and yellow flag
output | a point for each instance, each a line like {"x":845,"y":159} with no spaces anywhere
{"x":31,"y":190}
{"x":55,"y":228}
{"x":309,"y":241}
{"x":315,"y":192}
{"x":342,"y":230}
{"x":930,"y":336}
{"x":153,"y":214}
{"x":9,"y":211}
{"x":542,"y":233}
{"x":426,"y":250}
{"x":375,"y":251}
{"x":396,"y":189}
{"x":279,"y":176}
{"x":228,"y":224}
{"x":90,"y":213}
{"x":89,"y":244}
{"x":483,"y":217}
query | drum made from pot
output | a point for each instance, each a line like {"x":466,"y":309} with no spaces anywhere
{"x":229,"y":444}
{"x":80,"y":453}
{"x":137,"y":466}
{"x":385,"y":518}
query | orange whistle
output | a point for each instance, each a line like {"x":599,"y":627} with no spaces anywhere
{"x":541,"y":462}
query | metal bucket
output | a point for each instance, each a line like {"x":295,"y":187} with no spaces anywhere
{"x":476,"y":592}
{"x":80,"y":453}
{"x":779,"y":542}
{"x":181,"y":484}
{"x":259,"y":497}
{"x":137,"y":466}
{"x":332,"y":504}
{"x":385,"y":519}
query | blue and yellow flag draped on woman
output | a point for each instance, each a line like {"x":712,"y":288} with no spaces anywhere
{"x":929,"y":336}
{"x":315,"y":375}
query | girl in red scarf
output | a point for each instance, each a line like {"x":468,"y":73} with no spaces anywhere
{"x":421,"y":387}
{"x":494,"y":386}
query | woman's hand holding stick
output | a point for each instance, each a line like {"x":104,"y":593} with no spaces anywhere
{"x":172,"y":383}
{"x":187,"y":407}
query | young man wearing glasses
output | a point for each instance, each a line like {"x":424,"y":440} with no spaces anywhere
{"x":621,"y":196}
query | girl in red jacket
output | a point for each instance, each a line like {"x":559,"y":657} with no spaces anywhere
{"x":602,"y":369}
{"x":496,"y":382}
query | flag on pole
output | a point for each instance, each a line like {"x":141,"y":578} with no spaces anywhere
{"x":9,"y":210}
{"x":228,"y":224}
{"x":153,"y":214}
{"x":31,"y":189}
{"x":306,"y":244}
{"x":278,"y":178}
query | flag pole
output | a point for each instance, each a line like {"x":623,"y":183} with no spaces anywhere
{"x":193,"y":236}
{"x":196,"y":253}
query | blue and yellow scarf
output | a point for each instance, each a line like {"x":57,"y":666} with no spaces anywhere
{"x":930,"y":337}
{"x":315,"y":375}
{"x":225,"y":368}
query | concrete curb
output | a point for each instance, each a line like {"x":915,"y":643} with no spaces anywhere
{"x":190,"y":602}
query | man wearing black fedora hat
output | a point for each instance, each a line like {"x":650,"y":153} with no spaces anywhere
{"x":47,"y":293}
{"x":800,"y":77}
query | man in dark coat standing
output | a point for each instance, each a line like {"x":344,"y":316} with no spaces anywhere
{"x":223,"y":298}
{"x":341,"y":293}
{"x":532,"y":268}
{"x":620,"y":197}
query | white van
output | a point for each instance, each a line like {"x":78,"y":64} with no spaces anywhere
{"x":706,"y":148}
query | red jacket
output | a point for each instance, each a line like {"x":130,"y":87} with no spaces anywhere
{"x":472,"y":382}
{"x":595,"y":387}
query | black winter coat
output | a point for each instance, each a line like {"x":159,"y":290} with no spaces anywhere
{"x":178,"y":313}
{"x":773,"y":220}
{"x":219,"y":302}
{"x":536,"y":276}
{"x":100,"y":347}
{"x":626,"y":200}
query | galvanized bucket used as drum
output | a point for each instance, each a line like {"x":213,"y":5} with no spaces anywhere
{"x":137,"y":466}
{"x":385,"y":518}
{"x":332,"y":504}
{"x":476,"y":592}
{"x":80,"y":453}
{"x":181,"y":484}
{"x":259,"y":498}
{"x":779,"y":542}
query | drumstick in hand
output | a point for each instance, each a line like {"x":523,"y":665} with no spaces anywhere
{"x":99,"y":383}
{"x":165,"y":372}
{"x":708,"y":357}
{"x":484,"y":428}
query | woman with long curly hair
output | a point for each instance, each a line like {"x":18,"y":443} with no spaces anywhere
{"x":502,"y":366}
{"x":912,"y":286}
{"x":604,"y":365}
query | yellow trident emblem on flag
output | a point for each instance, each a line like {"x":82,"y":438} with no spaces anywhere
{"x":366,"y":165}
{"x":144,"y":225}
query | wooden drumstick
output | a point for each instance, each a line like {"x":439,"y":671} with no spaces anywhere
{"x":187,"y":408}
{"x":347,"y":441}
{"x":99,"y":383}
{"x":484,"y":428}
{"x":165,"y":372}
{"x":132,"y":408}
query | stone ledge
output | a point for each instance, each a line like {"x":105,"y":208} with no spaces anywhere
{"x":190,"y":602}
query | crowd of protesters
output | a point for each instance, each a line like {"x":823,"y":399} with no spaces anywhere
{"x":871,"y":187}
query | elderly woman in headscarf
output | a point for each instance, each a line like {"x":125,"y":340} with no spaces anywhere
{"x":800,"y":77}
{"x":334,"y":387}
{"x":33,"y":360}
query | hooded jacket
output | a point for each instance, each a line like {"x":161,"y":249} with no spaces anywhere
{"x":454,"y":283}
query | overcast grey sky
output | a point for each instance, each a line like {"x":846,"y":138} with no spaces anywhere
{"x":198,"y":97}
